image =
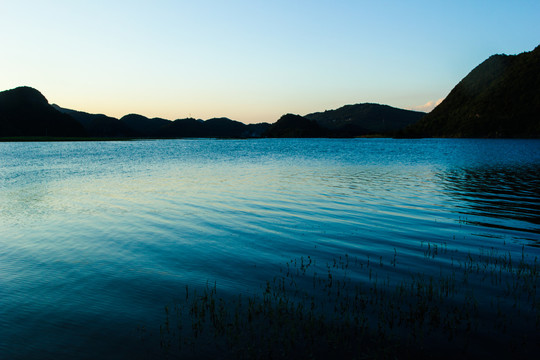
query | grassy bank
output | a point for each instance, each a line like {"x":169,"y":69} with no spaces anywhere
{"x":476,"y":305}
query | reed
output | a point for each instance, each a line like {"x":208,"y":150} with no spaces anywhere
{"x":483,"y":304}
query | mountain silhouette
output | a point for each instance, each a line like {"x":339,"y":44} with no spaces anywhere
{"x":24,"y":111}
{"x":498,"y":98}
{"x":99,"y":125}
{"x":213,"y":128}
{"x":183,"y":128}
{"x":143,"y":125}
{"x":256,"y":130}
{"x":365,"y":119}
{"x":295,"y":126}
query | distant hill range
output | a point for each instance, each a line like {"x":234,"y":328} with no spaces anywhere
{"x":347,"y":121}
{"x":365,"y":119}
{"x":99,"y":125}
{"x":24,"y":111}
{"x":295,"y":126}
{"x":143,"y":125}
{"x":499,"y":98}
{"x":134,"y":125}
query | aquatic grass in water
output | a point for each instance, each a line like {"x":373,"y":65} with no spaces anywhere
{"x":97,"y":236}
{"x":360,"y":308}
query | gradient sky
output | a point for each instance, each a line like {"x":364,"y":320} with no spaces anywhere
{"x":253,"y":60}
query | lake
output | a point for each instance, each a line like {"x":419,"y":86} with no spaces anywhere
{"x":96,"y":238}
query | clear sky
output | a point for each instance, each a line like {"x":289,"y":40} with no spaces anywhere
{"x":253,"y":60}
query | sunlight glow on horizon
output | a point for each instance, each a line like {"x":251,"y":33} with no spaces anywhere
{"x":252,"y":61}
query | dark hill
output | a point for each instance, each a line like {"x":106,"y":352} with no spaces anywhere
{"x":295,"y":126}
{"x":24,"y":111}
{"x":183,"y":128}
{"x":143,"y":125}
{"x":224,"y":127}
{"x":363,"y":119}
{"x":214,"y":128}
{"x":499,"y":98}
{"x":227,"y":128}
{"x":256,"y":130}
{"x":99,"y":125}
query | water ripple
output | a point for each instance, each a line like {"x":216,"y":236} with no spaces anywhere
{"x":97,"y":237}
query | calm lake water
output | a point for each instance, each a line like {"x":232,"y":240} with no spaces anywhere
{"x":97,"y":237}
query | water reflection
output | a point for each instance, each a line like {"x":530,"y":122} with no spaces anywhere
{"x":24,"y":204}
{"x":510,"y":195}
{"x":111,"y":231}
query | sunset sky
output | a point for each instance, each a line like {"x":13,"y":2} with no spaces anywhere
{"x":252,"y":60}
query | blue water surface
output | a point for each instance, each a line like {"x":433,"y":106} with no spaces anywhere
{"x":97,"y":237}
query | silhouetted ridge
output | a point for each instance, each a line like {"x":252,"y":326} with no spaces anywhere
{"x":294,"y":126}
{"x":224,"y":127}
{"x":24,"y":111}
{"x":23,"y":96}
{"x":256,"y":130}
{"x":214,"y":128}
{"x":99,"y":125}
{"x":183,"y":128}
{"x":364,"y":119}
{"x":143,"y":125}
{"x":498,"y":98}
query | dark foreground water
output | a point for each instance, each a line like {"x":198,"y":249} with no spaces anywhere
{"x":97,"y":237}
